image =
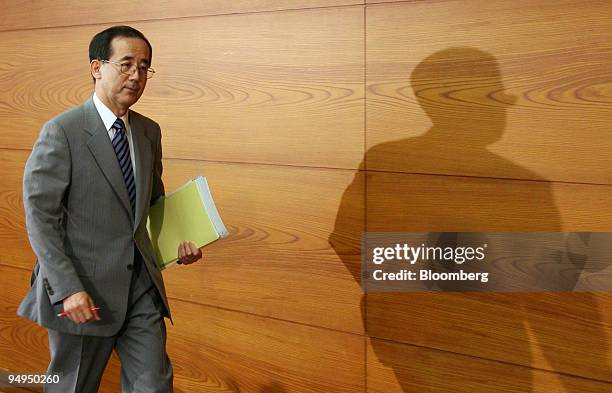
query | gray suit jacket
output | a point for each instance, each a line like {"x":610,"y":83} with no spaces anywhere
{"x":79,"y":218}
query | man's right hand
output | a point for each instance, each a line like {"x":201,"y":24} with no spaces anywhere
{"x":78,"y":307}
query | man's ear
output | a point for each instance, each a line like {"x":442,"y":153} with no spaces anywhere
{"x":94,"y":68}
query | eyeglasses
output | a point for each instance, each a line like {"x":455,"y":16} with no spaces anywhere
{"x":129,"y":68}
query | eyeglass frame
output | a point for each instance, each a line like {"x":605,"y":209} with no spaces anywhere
{"x":133,"y":68}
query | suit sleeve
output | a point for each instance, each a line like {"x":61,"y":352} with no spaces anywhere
{"x":158,"y":184}
{"x":46,"y":181}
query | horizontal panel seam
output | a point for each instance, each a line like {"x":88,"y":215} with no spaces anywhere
{"x":352,"y":5}
{"x":490,"y":360}
{"x":2,"y":264}
{"x":281,"y":165}
{"x":364,"y":335}
{"x":268,"y":317}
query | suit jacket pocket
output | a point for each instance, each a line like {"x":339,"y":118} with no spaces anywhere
{"x":35,"y":271}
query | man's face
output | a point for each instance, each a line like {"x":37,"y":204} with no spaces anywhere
{"x":119,"y":90}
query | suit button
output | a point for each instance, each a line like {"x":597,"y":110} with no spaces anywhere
{"x":51,"y":292}
{"x":130,"y":266}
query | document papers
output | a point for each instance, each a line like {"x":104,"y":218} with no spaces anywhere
{"x":189,"y":213}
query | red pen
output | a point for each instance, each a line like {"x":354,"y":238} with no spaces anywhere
{"x":63,"y":314}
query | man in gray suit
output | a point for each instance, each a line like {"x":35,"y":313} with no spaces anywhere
{"x":88,"y":184}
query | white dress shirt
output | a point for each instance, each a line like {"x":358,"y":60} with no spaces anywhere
{"x":108,"y":118}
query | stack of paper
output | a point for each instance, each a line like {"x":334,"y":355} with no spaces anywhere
{"x":189,"y":214}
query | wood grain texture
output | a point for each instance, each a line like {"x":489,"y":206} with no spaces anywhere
{"x":237,"y":352}
{"x":43,"y":73}
{"x":423,"y":203}
{"x":277,"y":260}
{"x":282,"y":247}
{"x":540,"y":330}
{"x":14,"y":245}
{"x":499,"y":89}
{"x":518,"y":91}
{"x":21,"y":14}
{"x":213,"y":350}
{"x":275,"y":88}
{"x":562,"y":332}
{"x":427,"y":370}
{"x":23,"y":344}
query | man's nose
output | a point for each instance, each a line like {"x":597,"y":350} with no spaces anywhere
{"x":135,"y":74}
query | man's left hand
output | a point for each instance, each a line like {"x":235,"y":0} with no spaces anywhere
{"x":188,"y":253}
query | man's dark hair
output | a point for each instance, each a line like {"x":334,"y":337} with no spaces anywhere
{"x":100,"y":45}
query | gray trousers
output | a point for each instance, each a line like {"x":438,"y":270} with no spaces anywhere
{"x":140,"y":345}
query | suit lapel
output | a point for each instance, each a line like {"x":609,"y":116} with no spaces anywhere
{"x":143,"y":159}
{"x":100,"y":146}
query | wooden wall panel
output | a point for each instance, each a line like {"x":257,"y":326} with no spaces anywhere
{"x":282,"y":247}
{"x":42,"y":73}
{"x":276,"y":88}
{"x":563,"y":332}
{"x":255,"y":354}
{"x":23,"y":345}
{"x":282,"y":87}
{"x":520,"y":95}
{"x":418,"y":369}
{"x":510,"y":94}
{"x":21,"y":14}
{"x":213,"y":350}
{"x":14,"y":245}
{"x":422,"y":203}
{"x":277,"y":260}
{"x":503,"y":89}
{"x":493,"y":326}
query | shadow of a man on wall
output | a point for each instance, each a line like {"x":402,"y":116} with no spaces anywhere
{"x":448,"y":180}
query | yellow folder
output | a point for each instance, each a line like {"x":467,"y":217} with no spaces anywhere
{"x":189,"y":213}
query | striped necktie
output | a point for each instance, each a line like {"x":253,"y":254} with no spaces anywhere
{"x":122,"y":149}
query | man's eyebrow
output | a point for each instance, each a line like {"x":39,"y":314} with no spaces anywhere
{"x":127,"y":57}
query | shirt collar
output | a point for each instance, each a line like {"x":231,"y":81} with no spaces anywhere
{"x":108,"y":117}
